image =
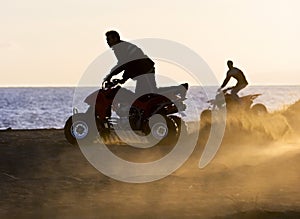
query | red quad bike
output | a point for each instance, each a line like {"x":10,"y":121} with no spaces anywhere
{"x":225,"y":99}
{"x":98,"y":118}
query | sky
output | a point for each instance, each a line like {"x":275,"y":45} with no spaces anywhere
{"x":52,"y":43}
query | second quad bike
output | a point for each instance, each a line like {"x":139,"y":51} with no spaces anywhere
{"x":243,"y":104}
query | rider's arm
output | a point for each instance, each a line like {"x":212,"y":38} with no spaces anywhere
{"x":114,"y":71}
{"x":226,"y":80}
{"x":119,"y":53}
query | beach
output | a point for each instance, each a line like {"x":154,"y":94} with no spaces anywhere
{"x":255,"y":174}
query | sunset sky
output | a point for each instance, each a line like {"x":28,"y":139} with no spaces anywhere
{"x":51,"y":43}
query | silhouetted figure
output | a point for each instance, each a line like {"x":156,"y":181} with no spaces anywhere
{"x":239,"y":76}
{"x":135,"y":64}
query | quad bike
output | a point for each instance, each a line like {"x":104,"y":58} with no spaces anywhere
{"x":242,"y":104}
{"x":128,"y":109}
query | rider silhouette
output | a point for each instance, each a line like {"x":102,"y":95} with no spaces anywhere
{"x":239,"y":76}
{"x":135,"y":64}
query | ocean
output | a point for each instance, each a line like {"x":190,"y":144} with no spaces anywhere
{"x":50,"y":107}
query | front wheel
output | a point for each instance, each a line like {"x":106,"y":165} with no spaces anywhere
{"x":80,"y":127}
{"x":259,"y":109}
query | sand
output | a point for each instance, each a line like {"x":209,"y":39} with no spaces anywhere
{"x":255,"y":174}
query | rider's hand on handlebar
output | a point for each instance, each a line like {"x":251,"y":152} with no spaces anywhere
{"x":107,"y":82}
{"x":110,"y":83}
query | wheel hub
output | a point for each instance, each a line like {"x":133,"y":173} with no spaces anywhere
{"x":159,"y":130}
{"x":79,"y":129}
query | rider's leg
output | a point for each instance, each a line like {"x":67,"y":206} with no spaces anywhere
{"x":146,"y":83}
{"x":235,"y":90}
{"x":234,"y":95}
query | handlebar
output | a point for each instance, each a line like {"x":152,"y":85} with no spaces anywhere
{"x":106,"y":84}
{"x":225,"y":90}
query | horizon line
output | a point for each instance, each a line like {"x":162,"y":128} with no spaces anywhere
{"x":74,"y":86}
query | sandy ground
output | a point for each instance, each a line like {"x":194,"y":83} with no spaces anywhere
{"x":256,"y":174}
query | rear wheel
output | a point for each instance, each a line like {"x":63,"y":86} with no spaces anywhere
{"x":164,"y":129}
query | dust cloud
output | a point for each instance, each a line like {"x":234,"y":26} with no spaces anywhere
{"x":255,"y":170}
